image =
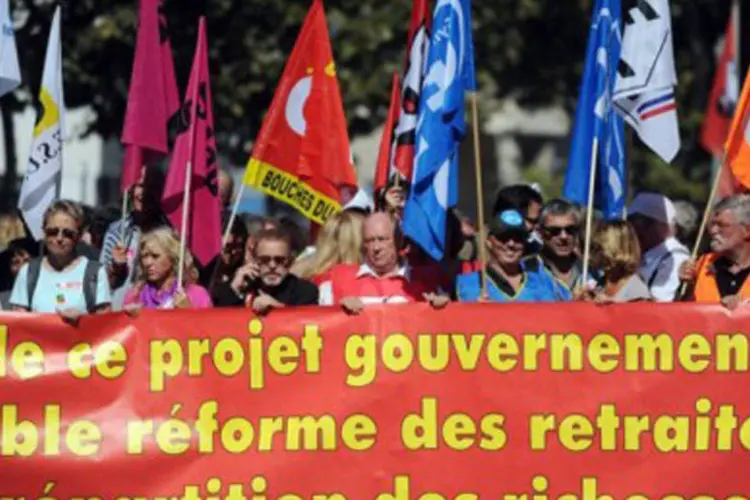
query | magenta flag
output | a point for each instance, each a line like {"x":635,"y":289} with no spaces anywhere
{"x":153,"y":98}
{"x":195,"y":150}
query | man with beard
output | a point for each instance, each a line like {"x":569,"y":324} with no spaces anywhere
{"x":721,"y":275}
{"x":559,"y":258}
{"x":268,"y":284}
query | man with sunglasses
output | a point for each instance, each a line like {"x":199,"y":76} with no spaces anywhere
{"x":559,"y":258}
{"x":267,"y":283}
{"x":511,"y":278}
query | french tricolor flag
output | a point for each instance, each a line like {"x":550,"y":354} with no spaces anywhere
{"x":657,"y":107}
{"x":645,"y":87}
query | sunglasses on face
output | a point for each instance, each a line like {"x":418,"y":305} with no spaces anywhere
{"x":506,"y":237}
{"x":266,"y":260}
{"x":53,"y":232}
{"x":557,"y":231}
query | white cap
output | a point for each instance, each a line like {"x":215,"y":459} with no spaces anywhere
{"x":655,"y":206}
{"x":361,"y":201}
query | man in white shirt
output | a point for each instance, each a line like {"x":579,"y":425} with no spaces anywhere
{"x":653,"y":217}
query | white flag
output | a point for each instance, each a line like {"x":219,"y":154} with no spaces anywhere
{"x":646,"y":77}
{"x":10,"y":74}
{"x":41,"y":186}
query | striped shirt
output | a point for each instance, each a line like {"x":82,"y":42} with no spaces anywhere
{"x":132,"y":237}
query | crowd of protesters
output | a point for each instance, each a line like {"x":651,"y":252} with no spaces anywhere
{"x":96,"y":261}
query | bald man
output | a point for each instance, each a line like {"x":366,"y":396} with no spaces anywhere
{"x":383,"y":278}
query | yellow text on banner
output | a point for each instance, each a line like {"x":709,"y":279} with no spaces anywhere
{"x":290,"y":189}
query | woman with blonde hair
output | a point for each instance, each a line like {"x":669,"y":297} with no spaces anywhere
{"x":339,"y":242}
{"x":156,"y":285}
{"x":616,"y":255}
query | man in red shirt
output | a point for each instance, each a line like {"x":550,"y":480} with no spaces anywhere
{"x":382,"y":278}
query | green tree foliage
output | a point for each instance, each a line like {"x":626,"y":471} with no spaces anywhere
{"x":529,"y":49}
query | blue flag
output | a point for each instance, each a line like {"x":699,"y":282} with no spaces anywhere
{"x":440,"y":126}
{"x":596,"y":117}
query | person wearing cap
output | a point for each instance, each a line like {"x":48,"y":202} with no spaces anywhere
{"x":721,"y":276}
{"x":528,"y":201}
{"x":509,"y":277}
{"x":653,"y":217}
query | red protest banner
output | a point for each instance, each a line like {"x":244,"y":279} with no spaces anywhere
{"x":477,"y":401}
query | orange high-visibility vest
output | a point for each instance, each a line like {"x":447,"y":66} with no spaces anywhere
{"x":706,"y":288}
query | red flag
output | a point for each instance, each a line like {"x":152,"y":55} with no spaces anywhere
{"x":402,"y":161}
{"x":384,"y":156}
{"x":153,"y":98}
{"x":195,"y":150}
{"x":302,"y":155}
{"x":723,"y":99}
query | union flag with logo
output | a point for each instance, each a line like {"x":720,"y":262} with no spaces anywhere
{"x":302,"y":155}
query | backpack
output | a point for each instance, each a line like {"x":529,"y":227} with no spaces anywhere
{"x":90,"y":281}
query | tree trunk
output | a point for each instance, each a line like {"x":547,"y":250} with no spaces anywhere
{"x":8,"y":194}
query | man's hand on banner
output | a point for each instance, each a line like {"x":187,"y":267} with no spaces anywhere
{"x":437,"y":301}
{"x":734,"y":302}
{"x":352,"y":305}
{"x":70,"y":316}
{"x":181,"y":301}
{"x":263,"y":303}
{"x":132,"y":310}
{"x":688,"y":272}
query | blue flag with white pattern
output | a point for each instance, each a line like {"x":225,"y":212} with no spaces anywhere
{"x":441,"y":126}
{"x":596,"y":117}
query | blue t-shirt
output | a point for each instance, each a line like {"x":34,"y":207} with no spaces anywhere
{"x":537,"y":286}
{"x":56,"y":291}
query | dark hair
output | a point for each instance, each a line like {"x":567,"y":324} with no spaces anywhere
{"x":19,"y":245}
{"x":256,"y":224}
{"x":238,"y":227}
{"x":272,"y":235}
{"x":516,"y":197}
{"x":100,"y":223}
{"x":297,"y":238}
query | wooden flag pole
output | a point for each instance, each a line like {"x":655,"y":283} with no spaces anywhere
{"x":227,"y":233}
{"x":590,"y":212}
{"x":124,"y":215}
{"x":184,"y":223}
{"x":480,"y":195}
{"x":706,"y":217}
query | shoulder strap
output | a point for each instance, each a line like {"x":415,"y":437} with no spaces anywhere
{"x":32,"y":278}
{"x":663,"y":259}
{"x":90,"y":283}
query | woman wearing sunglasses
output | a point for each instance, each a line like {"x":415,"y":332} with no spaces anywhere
{"x":509,"y":278}
{"x":62,"y":281}
{"x":156,"y":285}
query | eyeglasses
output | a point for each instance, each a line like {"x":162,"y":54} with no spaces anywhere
{"x":278,"y":260}
{"x":53,"y":232}
{"x":557,"y":231}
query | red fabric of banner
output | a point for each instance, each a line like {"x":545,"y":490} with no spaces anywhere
{"x":476,"y":401}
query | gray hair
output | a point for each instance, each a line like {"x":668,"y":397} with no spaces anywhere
{"x":560,"y":208}
{"x":739,"y":205}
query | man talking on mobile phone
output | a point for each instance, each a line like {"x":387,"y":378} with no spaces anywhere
{"x":265,"y":283}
